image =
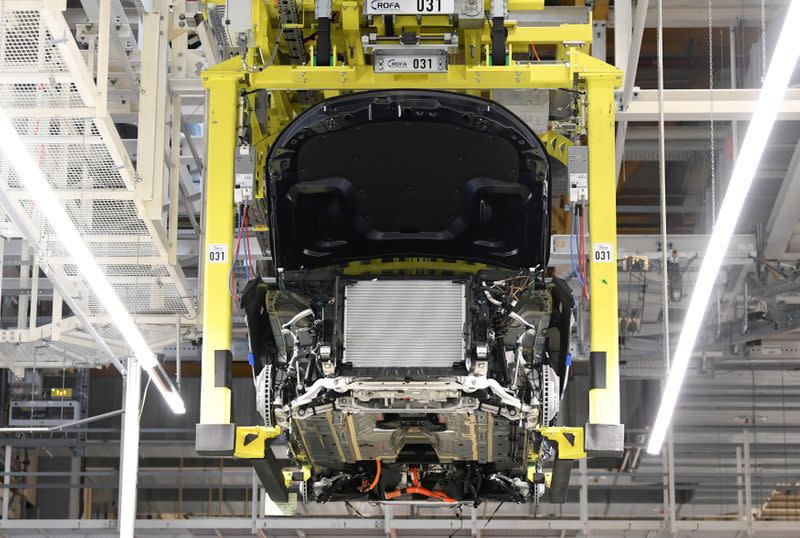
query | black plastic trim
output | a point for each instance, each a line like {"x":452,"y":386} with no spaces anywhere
{"x":222,"y":368}
{"x":597,"y":370}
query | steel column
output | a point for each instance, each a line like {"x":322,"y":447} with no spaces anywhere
{"x":24,"y":279}
{"x":583,"y":500}
{"x":622,"y":33}
{"x":734,"y":85}
{"x":748,"y":483}
{"x":670,"y":462}
{"x":174,"y":178}
{"x":34,"y":302}
{"x":739,"y":484}
{"x":75,"y":492}
{"x":2,"y":260}
{"x":6,"y":481}
{"x":103,"y":44}
{"x":632,"y":66}
{"x":129,"y":452}
{"x":153,"y":98}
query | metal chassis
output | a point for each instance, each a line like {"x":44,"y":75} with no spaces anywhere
{"x":572,"y":69}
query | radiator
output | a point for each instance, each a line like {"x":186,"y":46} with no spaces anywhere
{"x":404,"y":323}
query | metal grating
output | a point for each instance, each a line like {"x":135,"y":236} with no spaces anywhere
{"x":27,"y":44}
{"x":49,"y":91}
{"x":404,"y":323}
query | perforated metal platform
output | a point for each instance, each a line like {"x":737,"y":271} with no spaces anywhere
{"x":48,"y":90}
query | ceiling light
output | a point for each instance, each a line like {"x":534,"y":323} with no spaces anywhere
{"x":64,"y":229}
{"x":770,"y":101}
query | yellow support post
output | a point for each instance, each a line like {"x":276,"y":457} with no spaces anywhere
{"x":604,"y":433}
{"x":215,"y":433}
{"x":351,"y":28}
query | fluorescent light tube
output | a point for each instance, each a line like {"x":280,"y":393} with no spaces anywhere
{"x":770,"y":101}
{"x":174,"y":401}
{"x":64,"y":229}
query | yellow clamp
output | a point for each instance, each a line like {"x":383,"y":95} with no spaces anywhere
{"x":548,"y":476}
{"x":569,"y":441}
{"x":251,"y":441}
{"x":556,"y":145}
{"x":289,"y":474}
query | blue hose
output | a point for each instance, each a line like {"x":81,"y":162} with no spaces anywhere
{"x":571,"y":253}
{"x":236,"y":255}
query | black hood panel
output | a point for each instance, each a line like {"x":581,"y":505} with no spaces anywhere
{"x":408,"y":173}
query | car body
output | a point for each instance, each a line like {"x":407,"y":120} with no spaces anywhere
{"x":411,"y":345}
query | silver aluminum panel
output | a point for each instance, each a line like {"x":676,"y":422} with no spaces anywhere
{"x":404,"y":323}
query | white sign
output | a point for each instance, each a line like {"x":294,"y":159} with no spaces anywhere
{"x":423,"y":63}
{"x":217,"y":253}
{"x":409,"y":7}
{"x":603,"y":252}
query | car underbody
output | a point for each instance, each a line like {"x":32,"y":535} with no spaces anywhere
{"x":465,"y":427}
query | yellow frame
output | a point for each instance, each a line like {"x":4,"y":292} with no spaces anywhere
{"x":574,"y":68}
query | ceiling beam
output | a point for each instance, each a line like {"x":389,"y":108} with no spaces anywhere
{"x":702,"y":105}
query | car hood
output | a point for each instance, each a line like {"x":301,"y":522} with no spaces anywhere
{"x":392,"y":174}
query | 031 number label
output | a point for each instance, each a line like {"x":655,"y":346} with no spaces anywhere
{"x":217,"y":253}
{"x":409,"y":7}
{"x":422,"y":64}
{"x":603,"y":252}
{"x":429,"y":6}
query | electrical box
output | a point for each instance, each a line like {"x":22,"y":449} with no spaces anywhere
{"x":578,"y":173}
{"x":243,"y":177}
{"x":42,"y":413}
{"x":238,"y":19}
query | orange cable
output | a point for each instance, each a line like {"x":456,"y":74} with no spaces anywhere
{"x":377,"y":476}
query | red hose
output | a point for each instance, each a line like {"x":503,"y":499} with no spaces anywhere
{"x":583,"y":259}
{"x":233,"y":262}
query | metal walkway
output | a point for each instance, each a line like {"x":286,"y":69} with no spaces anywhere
{"x":49,"y":91}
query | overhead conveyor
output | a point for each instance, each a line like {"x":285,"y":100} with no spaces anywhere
{"x":459,"y":46}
